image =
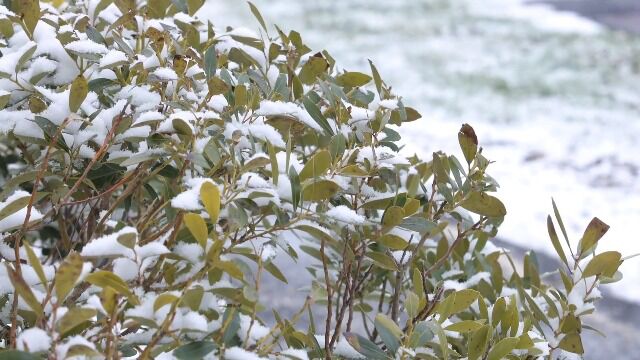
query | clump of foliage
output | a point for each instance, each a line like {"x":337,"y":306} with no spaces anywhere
{"x":155,"y":168}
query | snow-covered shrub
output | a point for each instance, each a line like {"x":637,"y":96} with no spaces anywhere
{"x":156,"y":168}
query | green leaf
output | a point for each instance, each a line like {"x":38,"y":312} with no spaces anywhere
{"x":315,"y":113}
{"x":468,"y":142}
{"x":353,"y":79}
{"x":560,"y":222}
{"x":295,"y":187}
{"x":572,"y":343}
{"x":67,"y":275}
{"x":442,"y":338}
{"x":35,"y":262}
{"x":393,"y":216}
{"x":383,"y":260}
{"x":556,"y":241}
{"x":502,"y":348}
{"x":464,"y":326}
{"x":419,"y":224}
{"x":29,"y":11}
{"x":275,"y":170}
{"x":592,"y":234}
{"x":376,"y":78}
{"x":412,"y":304}
{"x":392,"y":241}
{"x":163,"y":300}
{"x":478,"y":342}
{"x":210,"y":62}
{"x":365,"y":347}
{"x":605,"y":264}
{"x":24,"y":290}
{"x":107,"y":279}
{"x":210,"y":197}
{"x":157,"y":9}
{"x":73,"y":318}
{"x":275,"y":271}
{"x":257,"y":15}
{"x":217,"y":86}
{"x":193,"y":298}
{"x":389,"y":332}
{"x":182,"y":127}
{"x":79,"y":91}
{"x":319,"y":190}
{"x":198,"y":228}
{"x":316,"y":166}
{"x":194,"y":6}
{"x":128,"y":240}
{"x":4,"y":100}
{"x":194,"y":350}
{"x":483,"y":204}
{"x":315,"y":66}
{"x":17,"y":355}
{"x":464,"y":298}
{"x":421,"y":335}
{"x":16,"y":205}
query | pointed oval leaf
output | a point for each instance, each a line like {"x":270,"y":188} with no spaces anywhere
{"x":210,"y":197}
{"x":468,"y":142}
{"x":194,"y":350}
{"x":478,"y":343}
{"x":365,"y":347}
{"x":605,"y":264}
{"x":484,"y":204}
{"x":316,"y":166}
{"x":502,"y":348}
{"x":592,"y":234}
{"x":79,"y":91}
{"x":353,"y":79}
{"x":198,"y":228}
{"x":73,"y":318}
{"x":319,"y":190}
{"x":389,"y":332}
{"x":67,"y":275}
{"x":464,"y":326}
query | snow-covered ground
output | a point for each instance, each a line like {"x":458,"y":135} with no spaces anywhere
{"x":553,"y":98}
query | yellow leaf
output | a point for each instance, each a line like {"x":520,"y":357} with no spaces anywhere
{"x":210,"y":197}
{"x":67,"y":275}
{"x":198,"y":228}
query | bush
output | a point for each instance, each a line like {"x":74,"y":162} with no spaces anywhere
{"x":155,"y":170}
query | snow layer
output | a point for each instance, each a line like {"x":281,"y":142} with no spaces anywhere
{"x":552,"y":96}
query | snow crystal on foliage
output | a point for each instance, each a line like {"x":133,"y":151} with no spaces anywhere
{"x":471,"y":282}
{"x":33,"y":340}
{"x":17,"y":219}
{"x":76,"y":340}
{"x":258,"y":331}
{"x":113,"y":57}
{"x":257,"y":129}
{"x":126,"y":269}
{"x":140,"y":96}
{"x":165,"y":74}
{"x":108,"y":245}
{"x":236,"y":353}
{"x":342,"y":348}
{"x":190,"y":199}
{"x":294,"y":353}
{"x":268,"y":108}
{"x":218,"y":103}
{"x":86,"y":47}
{"x":345,"y":214}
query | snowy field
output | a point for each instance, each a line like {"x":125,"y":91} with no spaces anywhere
{"x":553,"y":98}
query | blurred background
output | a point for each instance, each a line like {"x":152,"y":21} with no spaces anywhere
{"x":551,"y":88}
